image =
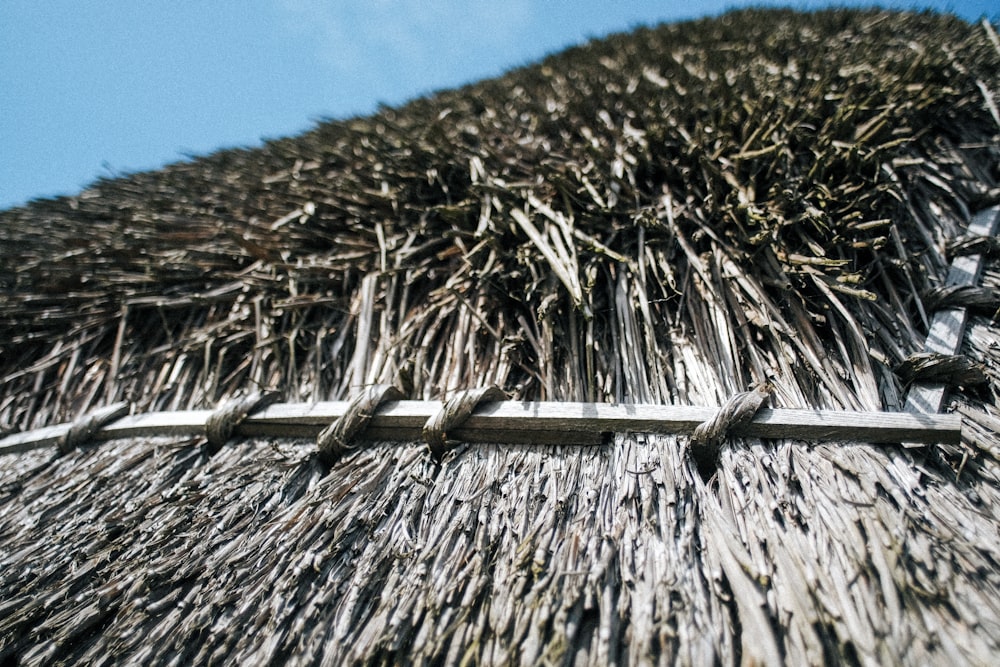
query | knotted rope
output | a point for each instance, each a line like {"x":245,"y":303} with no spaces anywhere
{"x":979,"y":299}
{"x":338,"y":437}
{"x":84,"y":428}
{"x":975,"y":244}
{"x":222,"y":423}
{"x":949,"y":369}
{"x":453,"y":413}
{"x":737,"y":411}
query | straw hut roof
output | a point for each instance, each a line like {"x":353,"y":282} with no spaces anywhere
{"x":668,"y":217}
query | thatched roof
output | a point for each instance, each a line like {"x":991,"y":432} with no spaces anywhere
{"x":665,"y":217}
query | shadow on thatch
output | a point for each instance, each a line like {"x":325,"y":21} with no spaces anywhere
{"x":668,"y":216}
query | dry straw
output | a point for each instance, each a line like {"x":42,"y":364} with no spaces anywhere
{"x":665,"y":217}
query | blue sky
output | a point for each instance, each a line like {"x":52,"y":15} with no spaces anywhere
{"x":107,"y":87}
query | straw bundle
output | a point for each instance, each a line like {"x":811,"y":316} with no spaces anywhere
{"x":669,"y":216}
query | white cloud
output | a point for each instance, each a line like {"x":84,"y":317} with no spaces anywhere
{"x":400,"y":48}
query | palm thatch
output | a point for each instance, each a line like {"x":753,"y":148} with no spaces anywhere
{"x":668,"y":216}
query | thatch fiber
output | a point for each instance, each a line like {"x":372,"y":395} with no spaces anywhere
{"x":672,"y":216}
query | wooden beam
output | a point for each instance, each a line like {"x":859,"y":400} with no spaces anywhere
{"x":528,"y":423}
{"x":947,"y":330}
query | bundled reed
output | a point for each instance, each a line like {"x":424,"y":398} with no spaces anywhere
{"x":668,"y":216}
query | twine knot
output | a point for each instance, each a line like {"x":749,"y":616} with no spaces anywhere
{"x":975,"y":244}
{"x":83,"y":429}
{"x":222,"y":423}
{"x":978,"y":299}
{"x":338,"y":437}
{"x":948,"y":369}
{"x":453,"y":413}
{"x":739,"y":410}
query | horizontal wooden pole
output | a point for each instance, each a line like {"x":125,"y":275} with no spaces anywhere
{"x":529,"y":423}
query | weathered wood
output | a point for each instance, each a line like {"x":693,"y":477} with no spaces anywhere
{"x":528,"y":423}
{"x":947,"y":328}
{"x":27,"y":441}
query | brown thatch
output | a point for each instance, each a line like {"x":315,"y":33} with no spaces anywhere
{"x":669,"y":216}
